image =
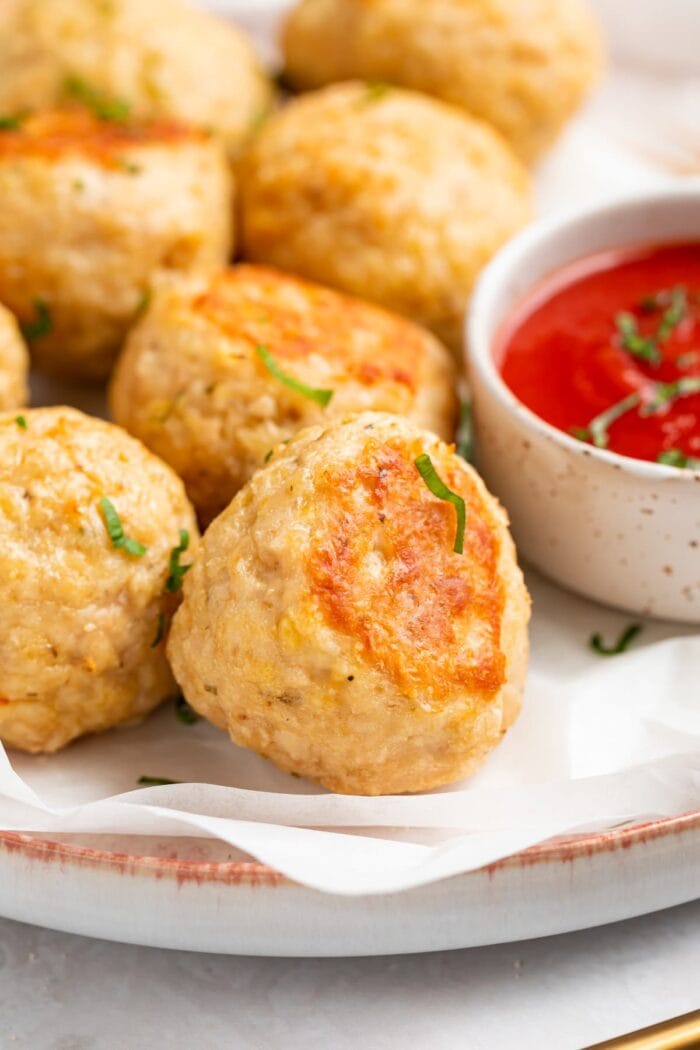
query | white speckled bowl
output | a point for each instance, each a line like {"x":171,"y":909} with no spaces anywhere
{"x":619,"y":530}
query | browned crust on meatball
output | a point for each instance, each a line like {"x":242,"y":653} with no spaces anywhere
{"x":95,"y":215}
{"x":58,"y":132}
{"x":329,"y":625}
{"x":83,"y":621}
{"x":406,"y":622}
{"x":294,"y":319}
{"x":399,"y":199}
{"x":192,"y":386}
{"x":159,"y":58}
{"x":524,"y":66}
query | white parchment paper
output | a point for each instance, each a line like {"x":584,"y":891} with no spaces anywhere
{"x":601,"y":742}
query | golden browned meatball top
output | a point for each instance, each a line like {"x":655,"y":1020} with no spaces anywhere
{"x":387,"y":194}
{"x":85,"y":602}
{"x":204,"y":380}
{"x":522,"y":65}
{"x":330,"y":625}
{"x":158,"y":58}
{"x":94,"y":212}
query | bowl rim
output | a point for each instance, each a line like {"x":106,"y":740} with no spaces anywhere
{"x":479,"y":329}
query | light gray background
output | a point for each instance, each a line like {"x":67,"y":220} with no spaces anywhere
{"x":59,"y":992}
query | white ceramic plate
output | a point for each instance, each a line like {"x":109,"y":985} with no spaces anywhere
{"x":192,"y":894}
{"x":243,"y":908}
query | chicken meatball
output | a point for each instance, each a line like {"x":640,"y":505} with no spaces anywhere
{"x":158,"y":58}
{"x":385,"y":194}
{"x":216,"y":375}
{"x":524,"y":67}
{"x":88,"y":583}
{"x":93,"y":212}
{"x":334,"y":623}
{"x":13,"y":363}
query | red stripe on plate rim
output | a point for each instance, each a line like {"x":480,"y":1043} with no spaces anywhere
{"x":257,"y":874}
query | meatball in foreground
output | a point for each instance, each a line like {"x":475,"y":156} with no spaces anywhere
{"x":94,"y":212}
{"x":215,"y":376}
{"x":155,"y":58}
{"x":524,"y":67}
{"x":88,"y":581}
{"x":385,"y":194}
{"x":334,"y":623}
{"x":14,"y":362}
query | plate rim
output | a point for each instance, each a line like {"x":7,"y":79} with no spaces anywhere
{"x":256,"y":873}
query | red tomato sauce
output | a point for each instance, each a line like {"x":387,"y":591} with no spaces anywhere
{"x":618,"y":331}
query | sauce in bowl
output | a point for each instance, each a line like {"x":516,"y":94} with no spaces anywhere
{"x":608,"y":350}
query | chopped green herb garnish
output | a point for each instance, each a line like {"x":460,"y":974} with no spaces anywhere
{"x":270,"y":452}
{"x":675,"y":306}
{"x":598,"y":427}
{"x":184,"y":712}
{"x":635,"y":343}
{"x":41,"y":325}
{"x":176,"y":570}
{"x":156,"y":781}
{"x":375,"y":91}
{"x":321,"y":397}
{"x":465,"y":432}
{"x":144,"y":302}
{"x":666,"y":393}
{"x":11,"y":123}
{"x":424,"y":466}
{"x":260,"y":118}
{"x":621,"y":645}
{"x":21,"y":422}
{"x":673,"y":457}
{"x":104,"y":107}
{"x":673,"y":314}
{"x":160,"y":631}
{"x":688,"y":360}
{"x":115,"y":530}
{"x":129,"y":166}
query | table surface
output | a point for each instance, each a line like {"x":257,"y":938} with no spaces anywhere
{"x":60,"y":992}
